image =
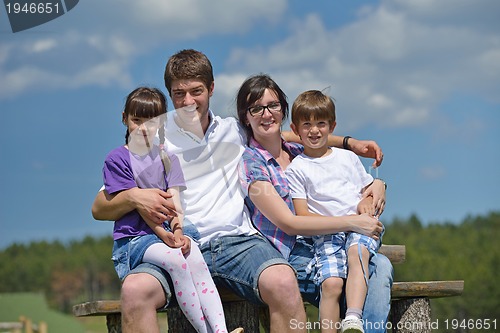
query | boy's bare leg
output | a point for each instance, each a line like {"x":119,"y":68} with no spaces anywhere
{"x":356,"y":287}
{"x":279,"y":290}
{"x":329,"y":308}
{"x":141,"y":295}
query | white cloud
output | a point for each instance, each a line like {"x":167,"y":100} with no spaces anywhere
{"x":95,"y":43}
{"x":432,"y":172}
{"x":103,"y":74}
{"x":43,"y":45}
{"x":390,"y":67}
{"x":379,"y":101}
{"x":226,"y":87}
{"x":195,"y":18}
{"x":394,"y":65}
{"x":66,"y":62}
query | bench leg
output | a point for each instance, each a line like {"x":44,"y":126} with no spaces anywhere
{"x":114,"y":323}
{"x":237,"y":314}
{"x":411,"y":315}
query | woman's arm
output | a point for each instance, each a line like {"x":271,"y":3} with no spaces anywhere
{"x":365,"y":206}
{"x":268,"y":201}
{"x":153,"y":205}
{"x":363,"y":148}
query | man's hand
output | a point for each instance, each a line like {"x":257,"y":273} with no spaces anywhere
{"x":369,"y":149}
{"x":153,"y":204}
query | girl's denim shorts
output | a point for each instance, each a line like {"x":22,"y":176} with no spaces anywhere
{"x":128,"y":253}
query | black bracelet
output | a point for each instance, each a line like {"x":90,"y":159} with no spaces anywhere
{"x":346,"y":140}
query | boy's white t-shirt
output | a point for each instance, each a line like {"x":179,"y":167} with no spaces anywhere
{"x":331,"y":185}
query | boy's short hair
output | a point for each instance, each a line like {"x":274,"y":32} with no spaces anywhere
{"x":188,"y":64}
{"x":313,"y":104}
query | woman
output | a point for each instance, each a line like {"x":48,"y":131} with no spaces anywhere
{"x":262,"y":108}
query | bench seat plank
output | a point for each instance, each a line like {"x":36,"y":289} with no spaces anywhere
{"x":395,"y":253}
{"x":429,"y":289}
{"x":97,"y":308}
{"x":410,"y":301}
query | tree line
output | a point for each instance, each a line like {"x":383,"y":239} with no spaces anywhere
{"x":467,"y":251}
{"x":65,"y":273}
{"x":81,"y":270}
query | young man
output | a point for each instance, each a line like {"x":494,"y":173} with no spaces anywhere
{"x":209,"y":149}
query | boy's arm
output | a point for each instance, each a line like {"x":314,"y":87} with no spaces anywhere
{"x":363,"y":148}
{"x":301,"y":208}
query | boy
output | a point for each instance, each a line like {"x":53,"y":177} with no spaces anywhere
{"x":330,"y":181}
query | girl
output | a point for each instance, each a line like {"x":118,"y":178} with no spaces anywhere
{"x":140,"y":163}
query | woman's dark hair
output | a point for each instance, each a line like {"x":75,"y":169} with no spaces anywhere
{"x":251,"y":91}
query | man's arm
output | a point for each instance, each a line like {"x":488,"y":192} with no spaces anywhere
{"x":154,"y":205}
{"x":363,"y":148}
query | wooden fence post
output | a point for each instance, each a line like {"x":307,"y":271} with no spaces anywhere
{"x":27,"y":324}
{"x":42,"y":327}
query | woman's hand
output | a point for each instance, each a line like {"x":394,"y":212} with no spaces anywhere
{"x":367,"y":225}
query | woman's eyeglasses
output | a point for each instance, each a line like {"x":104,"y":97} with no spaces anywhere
{"x":258,"y":110}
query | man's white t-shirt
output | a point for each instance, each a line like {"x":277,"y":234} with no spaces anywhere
{"x":214,"y":201}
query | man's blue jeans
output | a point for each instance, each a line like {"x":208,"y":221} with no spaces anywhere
{"x":378,"y":300}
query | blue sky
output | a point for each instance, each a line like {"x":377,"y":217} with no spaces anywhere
{"x":420,"y":77}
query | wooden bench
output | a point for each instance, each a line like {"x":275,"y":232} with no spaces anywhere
{"x":410,"y":305}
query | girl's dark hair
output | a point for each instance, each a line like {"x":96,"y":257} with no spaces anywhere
{"x":251,"y":91}
{"x":146,"y":102}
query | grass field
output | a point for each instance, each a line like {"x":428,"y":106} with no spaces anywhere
{"x":34,"y":307}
